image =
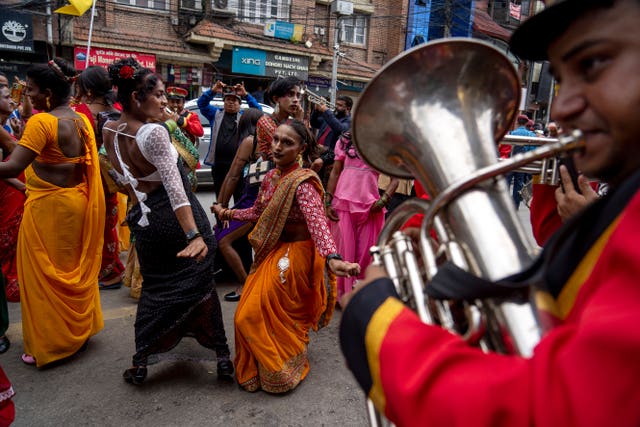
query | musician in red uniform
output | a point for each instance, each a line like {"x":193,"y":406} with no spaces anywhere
{"x":188,"y":122}
{"x":584,"y":371}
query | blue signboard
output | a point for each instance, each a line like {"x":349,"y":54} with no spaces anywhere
{"x":248,"y":61}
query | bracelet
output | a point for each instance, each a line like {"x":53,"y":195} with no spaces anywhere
{"x":191,"y":235}
{"x":227,"y":214}
{"x":334,"y":256}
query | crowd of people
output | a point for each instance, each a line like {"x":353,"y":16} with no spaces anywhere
{"x":294,"y":187}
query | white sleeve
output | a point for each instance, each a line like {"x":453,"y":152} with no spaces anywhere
{"x":155,"y":144}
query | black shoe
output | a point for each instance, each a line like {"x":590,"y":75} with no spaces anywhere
{"x":136,"y":375}
{"x":232,"y":296}
{"x":225,"y":368}
{"x":4,"y":344}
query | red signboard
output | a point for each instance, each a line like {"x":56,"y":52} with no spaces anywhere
{"x":105,"y":57}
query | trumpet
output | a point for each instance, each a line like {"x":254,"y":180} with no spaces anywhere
{"x":441,"y":127}
{"x":317,"y":99}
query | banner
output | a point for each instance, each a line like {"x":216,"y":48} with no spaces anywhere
{"x":16,"y":31}
{"x":75,"y":7}
{"x":105,"y":57}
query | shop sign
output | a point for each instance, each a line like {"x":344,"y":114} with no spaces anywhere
{"x":318,"y":81}
{"x":269,"y":64}
{"x":16,"y":31}
{"x":283,"y":30}
{"x":351,"y":85}
{"x":105,"y":57}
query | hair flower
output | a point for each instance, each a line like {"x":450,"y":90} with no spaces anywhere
{"x":126,"y":72}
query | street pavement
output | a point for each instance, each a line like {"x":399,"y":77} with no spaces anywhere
{"x":88,"y":390}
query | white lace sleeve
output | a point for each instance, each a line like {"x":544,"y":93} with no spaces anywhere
{"x":155,"y":145}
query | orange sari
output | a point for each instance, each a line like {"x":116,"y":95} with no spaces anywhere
{"x":276,"y":312}
{"x":59,"y":249}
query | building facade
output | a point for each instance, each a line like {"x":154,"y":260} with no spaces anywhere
{"x":193,"y":43}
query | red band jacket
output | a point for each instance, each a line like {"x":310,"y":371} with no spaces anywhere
{"x":584,"y":371}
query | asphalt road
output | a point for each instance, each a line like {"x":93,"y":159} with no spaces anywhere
{"x":89,"y":389}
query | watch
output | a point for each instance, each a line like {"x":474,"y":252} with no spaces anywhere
{"x":192,"y":234}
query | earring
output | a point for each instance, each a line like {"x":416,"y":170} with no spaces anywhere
{"x":48,"y":102}
{"x":299,"y":159}
{"x":138,"y":104}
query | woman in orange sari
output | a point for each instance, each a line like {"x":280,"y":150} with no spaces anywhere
{"x":60,"y":238}
{"x":291,"y":287}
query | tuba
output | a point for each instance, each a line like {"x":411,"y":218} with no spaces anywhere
{"x":446,"y":104}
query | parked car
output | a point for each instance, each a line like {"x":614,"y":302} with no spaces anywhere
{"x":204,"y":173}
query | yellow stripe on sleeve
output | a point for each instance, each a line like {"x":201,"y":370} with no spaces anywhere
{"x":375,"y":334}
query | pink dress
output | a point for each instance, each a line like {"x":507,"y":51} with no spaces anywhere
{"x":357,"y":230}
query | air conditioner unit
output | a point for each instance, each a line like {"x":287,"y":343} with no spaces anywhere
{"x":191,"y":4}
{"x":342,"y":7}
{"x":220,"y":4}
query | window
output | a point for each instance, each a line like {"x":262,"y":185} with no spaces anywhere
{"x":354,"y":29}
{"x":150,"y":4}
{"x":191,"y":4}
{"x":258,"y":11}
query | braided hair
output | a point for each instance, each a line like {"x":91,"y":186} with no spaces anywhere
{"x":129,"y":76}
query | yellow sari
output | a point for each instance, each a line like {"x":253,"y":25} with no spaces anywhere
{"x":276,"y":312}
{"x":59,"y":249}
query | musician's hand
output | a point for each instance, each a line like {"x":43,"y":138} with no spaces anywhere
{"x":373,"y":272}
{"x":197,"y":249}
{"x":570,"y":201}
{"x":321,"y":108}
{"x":344,"y":268}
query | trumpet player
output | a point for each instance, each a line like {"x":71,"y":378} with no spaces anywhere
{"x":584,"y":371}
{"x":330,"y":125}
{"x":187,"y":121}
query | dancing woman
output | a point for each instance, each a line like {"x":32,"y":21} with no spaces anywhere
{"x":174,"y":241}
{"x":60,"y":238}
{"x":291,"y":287}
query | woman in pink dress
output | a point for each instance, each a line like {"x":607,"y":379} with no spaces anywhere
{"x":354,"y":203}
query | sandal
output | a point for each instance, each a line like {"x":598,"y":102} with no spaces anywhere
{"x":28,"y":359}
{"x":135,"y":375}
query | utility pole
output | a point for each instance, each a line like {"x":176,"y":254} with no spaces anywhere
{"x":50,"y":30}
{"x":338,"y":8}
{"x":334,"y":67}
